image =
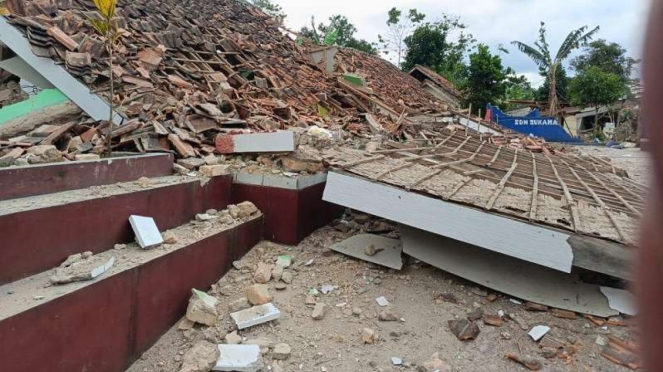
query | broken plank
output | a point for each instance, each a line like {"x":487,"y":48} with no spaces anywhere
{"x":184,"y":149}
{"x":57,"y":134}
{"x":280,"y":141}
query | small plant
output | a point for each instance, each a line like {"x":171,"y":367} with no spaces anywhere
{"x":108,"y":28}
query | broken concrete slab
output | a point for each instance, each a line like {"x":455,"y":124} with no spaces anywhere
{"x":497,"y":233}
{"x":239,"y":358}
{"x":280,"y":141}
{"x":505,"y":274}
{"x":80,"y":270}
{"x":386,"y":251}
{"x":147,"y":233}
{"x":538,"y":332}
{"x":255,"y":315}
{"x":620,"y":300}
{"x":202,"y":308}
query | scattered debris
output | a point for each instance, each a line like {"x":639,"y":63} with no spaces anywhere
{"x":531,"y":306}
{"x":564,"y":314}
{"x":281,"y":352}
{"x":388,"y":315}
{"x":81,"y":267}
{"x":327,"y":289}
{"x":255,"y":315}
{"x":396,"y":361}
{"x":263,"y":274}
{"x":239,"y":358}
{"x":368,"y":336}
{"x":285,"y":261}
{"x":202,"y":357}
{"x":202,"y":308}
{"x":531,"y":363}
{"x":621,"y":352}
{"x":286,"y":277}
{"x":475,"y":315}
{"x":239,"y":304}
{"x":538,"y":332}
{"x":464,"y":330}
{"x":258,"y":294}
{"x":382,"y":301}
{"x":373,"y":248}
{"x":520,"y":321}
{"x":319,"y":311}
{"x":233,"y":338}
{"x":493,"y":320}
{"x":147,"y":233}
{"x":169,"y":237}
{"x":620,"y":300}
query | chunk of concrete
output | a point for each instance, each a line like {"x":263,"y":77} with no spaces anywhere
{"x":368,"y":335}
{"x":239,"y":358}
{"x":281,"y":352}
{"x":538,"y":332}
{"x":147,"y":233}
{"x":202,"y":308}
{"x":255,"y":315}
{"x":214,"y":170}
{"x":263,"y":273}
{"x":233,"y":338}
{"x":258,"y":294}
{"x":319,"y":311}
{"x":287,"y":277}
{"x":202,"y":357}
{"x":239,"y":305}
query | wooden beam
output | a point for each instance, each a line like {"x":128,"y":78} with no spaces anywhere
{"x":569,"y":199}
{"x":535,"y":191}
{"x":361,"y":161}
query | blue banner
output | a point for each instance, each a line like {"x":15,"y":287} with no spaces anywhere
{"x":534,"y":124}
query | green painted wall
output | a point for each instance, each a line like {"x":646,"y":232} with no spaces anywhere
{"x":45,"y":98}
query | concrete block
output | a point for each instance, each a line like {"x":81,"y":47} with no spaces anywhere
{"x":280,"y":141}
{"x":147,"y":233}
{"x":214,"y":170}
{"x":239,"y":358}
{"x":255,"y":315}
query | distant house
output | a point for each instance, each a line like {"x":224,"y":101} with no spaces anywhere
{"x":436,"y":85}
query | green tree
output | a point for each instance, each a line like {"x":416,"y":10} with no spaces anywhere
{"x":562,"y":81}
{"x":338,"y":31}
{"x":432,"y":45}
{"x":516,"y":88}
{"x":399,"y":26}
{"x":548,"y":65}
{"x":608,"y":57}
{"x":486,"y":79}
{"x":597,"y":88}
{"x":270,"y":8}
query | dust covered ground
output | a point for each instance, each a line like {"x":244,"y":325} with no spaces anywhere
{"x":421,"y":296}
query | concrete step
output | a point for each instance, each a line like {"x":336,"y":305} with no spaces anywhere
{"x":106,"y":324}
{"x":19,"y":182}
{"x":293,"y":206}
{"x":39,"y":232}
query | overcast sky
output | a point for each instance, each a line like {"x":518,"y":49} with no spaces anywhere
{"x":493,"y":22}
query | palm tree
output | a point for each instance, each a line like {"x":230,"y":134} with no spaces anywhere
{"x":540,"y":54}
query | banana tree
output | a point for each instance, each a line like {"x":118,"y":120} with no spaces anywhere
{"x":107,"y":26}
{"x":548,"y":65}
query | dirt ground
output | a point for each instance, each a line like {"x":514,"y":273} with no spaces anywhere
{"x":335,"y":342}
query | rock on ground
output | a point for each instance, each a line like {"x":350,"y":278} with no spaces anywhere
{"x":281,"y":352}
{"x":201,"y":357}
{"x":319,"y":311}
{"x":258,"y":294}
